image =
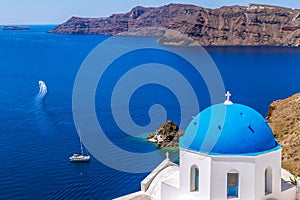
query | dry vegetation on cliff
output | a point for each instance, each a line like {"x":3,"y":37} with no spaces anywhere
{"x":284,"y":119}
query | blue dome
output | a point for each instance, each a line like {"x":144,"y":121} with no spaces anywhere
{"x":229,"y":129}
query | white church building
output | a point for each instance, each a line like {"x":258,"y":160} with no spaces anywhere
{"x":228,"y":151}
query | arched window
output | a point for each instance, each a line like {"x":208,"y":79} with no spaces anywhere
{"x":268,"y":181}
{"x":232,"y":184}
{"x":194,"y":179}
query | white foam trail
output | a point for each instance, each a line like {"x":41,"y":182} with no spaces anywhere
{"x":43,"y":90}
{"x":43,"y":122}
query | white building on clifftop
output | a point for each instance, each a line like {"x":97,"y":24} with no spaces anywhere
{"x":228,"y":152}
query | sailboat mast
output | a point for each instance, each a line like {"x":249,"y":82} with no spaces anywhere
{"x":81,"y":147}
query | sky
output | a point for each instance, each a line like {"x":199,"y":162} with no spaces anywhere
{"x":58,"y":11}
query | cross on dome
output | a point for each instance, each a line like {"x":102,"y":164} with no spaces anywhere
{"x":228,"y":95}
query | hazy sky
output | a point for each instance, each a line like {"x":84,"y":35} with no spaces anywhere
{"x":57,"y":11}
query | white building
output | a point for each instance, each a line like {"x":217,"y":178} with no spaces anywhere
{"x":228,"y":151}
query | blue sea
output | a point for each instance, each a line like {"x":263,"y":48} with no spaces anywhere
{"x":37,"y":136}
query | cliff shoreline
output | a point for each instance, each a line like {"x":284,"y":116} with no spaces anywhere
{"x":253,"y":25}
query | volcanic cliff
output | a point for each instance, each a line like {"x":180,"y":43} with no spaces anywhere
{"x":167,"y":135}
{"x":231,"y":25}
{"x":284,"y":119}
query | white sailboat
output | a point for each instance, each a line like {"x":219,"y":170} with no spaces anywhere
{"x":79,"y":157}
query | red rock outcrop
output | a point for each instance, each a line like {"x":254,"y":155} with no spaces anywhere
{"x":167,"y":135}
{"x":255,"y":24}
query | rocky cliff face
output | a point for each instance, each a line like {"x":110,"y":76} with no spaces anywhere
{"x":284,"y":119}
{"x":167,"y":135}
{"x":233,"y":25}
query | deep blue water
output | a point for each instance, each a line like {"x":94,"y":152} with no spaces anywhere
{"x":37,"y":137}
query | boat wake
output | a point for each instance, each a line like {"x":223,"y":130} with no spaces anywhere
{"x":43,"y":91}
{"x":44,"y":124}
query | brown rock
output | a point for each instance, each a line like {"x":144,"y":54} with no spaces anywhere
{"x":167,"y":135}
{"x":284,"y":119}
{"x":257,"y":25}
